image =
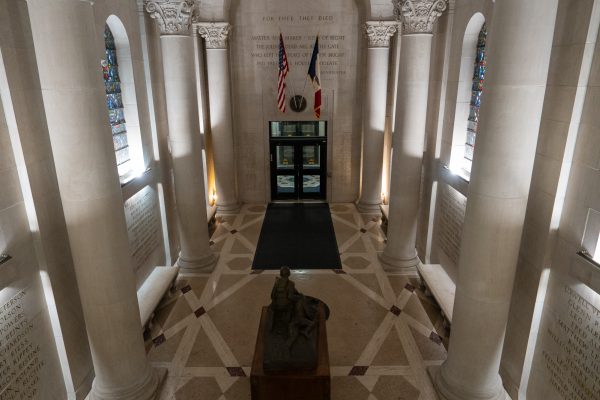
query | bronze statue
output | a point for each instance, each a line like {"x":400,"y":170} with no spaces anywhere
{"x":290,"y":309}
{"x":291,"y":342}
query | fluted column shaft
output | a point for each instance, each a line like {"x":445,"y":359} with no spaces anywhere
{"x":71,"y":81}
{"x":500,"y":180}
{"x":417,"y":17}
{"x":378,"y":35}
{"x":177,"y":48}
{"x":221,"y":116}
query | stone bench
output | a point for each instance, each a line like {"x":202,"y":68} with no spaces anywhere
{"x":440,"y":286}
{"x":152,"y":291}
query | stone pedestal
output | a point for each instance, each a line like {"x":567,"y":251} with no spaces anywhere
{"x":73,"y":93}
{"x":500,"y":179}
{"x":221,"y":117}
{"x":378,"y":35}
{"x":184,"y":137}
{"x":292,"y":385}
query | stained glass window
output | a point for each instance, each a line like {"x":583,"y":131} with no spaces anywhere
{"x":476,"y":92}
{"x":114,"y":102}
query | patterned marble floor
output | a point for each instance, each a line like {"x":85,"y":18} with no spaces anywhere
{"x":381,"y":335}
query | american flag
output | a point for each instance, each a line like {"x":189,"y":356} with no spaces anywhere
{"x":283,"y":71}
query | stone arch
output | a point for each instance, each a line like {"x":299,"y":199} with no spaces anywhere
{"x":463,"y":96}
{"x":126,"y":74}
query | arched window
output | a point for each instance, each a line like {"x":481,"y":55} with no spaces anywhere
{"x":468,"y":95}
{"x":114,"y":102}
{"x":476,"y":92}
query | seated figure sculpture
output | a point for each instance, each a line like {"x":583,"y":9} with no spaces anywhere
{"x":291,"y":340}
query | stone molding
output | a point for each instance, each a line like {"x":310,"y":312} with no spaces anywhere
{"x":379,"y":33}
{"x":214,"y":33}
{"x":174,"y":17}
{"x":418,"y":16}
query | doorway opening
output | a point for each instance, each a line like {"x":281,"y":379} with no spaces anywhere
{"x":298,"y":151}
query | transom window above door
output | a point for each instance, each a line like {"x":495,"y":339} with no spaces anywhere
{"x":298,"y":128}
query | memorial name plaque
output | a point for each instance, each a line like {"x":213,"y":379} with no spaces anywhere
{"x":453,"y":206}
{"x":571,"y":353}
{"x":143,"y":225}
{"x":21,"y":360}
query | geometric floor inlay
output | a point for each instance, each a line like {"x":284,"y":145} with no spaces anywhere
{"x":383,"y":331}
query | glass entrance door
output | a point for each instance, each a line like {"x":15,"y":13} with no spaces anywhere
{"x":298,"y":169}
{"x":284,"y":173}
{"x":311,"y":171}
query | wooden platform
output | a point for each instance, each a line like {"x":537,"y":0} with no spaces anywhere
{"x":295,"y":385}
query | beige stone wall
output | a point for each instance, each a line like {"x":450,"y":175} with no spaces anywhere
{"x":36,"y":235}
{"x":568,"y":147}
{"x":25,"y":110}
{"x":447,"y":69}
{"x":128,"y":13}
{"x":541,"y":246}
{"x":158,"y":106}
{"x":437,"y":89}
{"x":567,"y":81}
{"x":25,"y":320}
{"x":254,"y":50}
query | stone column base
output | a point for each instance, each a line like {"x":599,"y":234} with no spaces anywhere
{"x":147,"y":390}
{"x":392,"y":264}
{"x":445,"y":392}
{"x":205,"y":264}
{"x":228,"y":209}
{"x":366,"y":208}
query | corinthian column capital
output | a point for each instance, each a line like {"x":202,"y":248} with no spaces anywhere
{"x":379,"y":32}
{"x":418,"y":16}
{"x":174,"y":17}
{"x":214,"y":33}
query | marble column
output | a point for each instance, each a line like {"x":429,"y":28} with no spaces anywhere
{"x":378,"y":35}
{"x":500,"y":180}
{"x":221,"y":116}
{"x":177,"y":45}
{"x":65,"y":38}
{"x":408,"y":142}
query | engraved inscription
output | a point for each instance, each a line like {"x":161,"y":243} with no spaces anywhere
{"x":20,"y":357}
{"x":453,"y":206}
{"x":265,"y":46}
{"x":574,"y":369}
{"x":143,"y":225}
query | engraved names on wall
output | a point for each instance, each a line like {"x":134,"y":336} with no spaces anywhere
{"x":453,"y":207}
{"x":21,"y":361}
{"x":571,"y":350}
{"x":143,"y":225}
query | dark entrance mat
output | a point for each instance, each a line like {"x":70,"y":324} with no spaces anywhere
{"x":298,"y":235}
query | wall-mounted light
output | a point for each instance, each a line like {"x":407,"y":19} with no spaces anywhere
{"x":213,"y":197}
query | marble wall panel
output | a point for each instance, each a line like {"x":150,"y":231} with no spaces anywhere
{"x":144,"y":231}
{"x":452,"y":208}
{"x":567,"y":358}
{"x":29,"y":361}
{"x":570,"y":321}
{"x":155,"y":80}
{"x":254,"y":59}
